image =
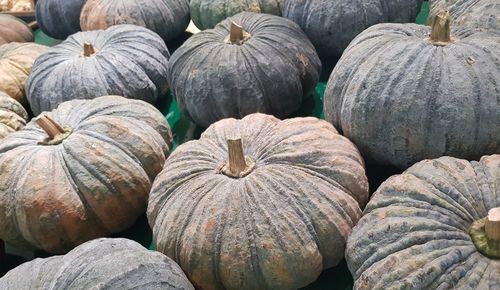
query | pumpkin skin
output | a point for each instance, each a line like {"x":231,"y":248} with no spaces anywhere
{"x":13,"y":29}
{"x":207,"y":13}
{"x":16,"y":61}
{"x":443,"y":100}
{"x":168,"y":18}
{"x":414,"y":233}
{"x":247,"y":78}
{"x":12,"y":115}
{"x":59,"y":18}
{"x":101,"y":173}
{"x":332,"y":24}
{"x":469,"y":13}
{"x":100,"y":264}
{"x":275,"y":228}
{"x":130,"y":61}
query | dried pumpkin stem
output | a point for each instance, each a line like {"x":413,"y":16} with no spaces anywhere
{"x":49,"y":126}
{"x":33,"y":25}
{"x":236,"y":159}
{"x":235,"y":33}
{"x":440,"y":28}
{"x":492,"y":225}
{"x":88,"y":49}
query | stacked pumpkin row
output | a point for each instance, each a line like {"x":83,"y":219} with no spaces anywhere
{"x":257,"y":203}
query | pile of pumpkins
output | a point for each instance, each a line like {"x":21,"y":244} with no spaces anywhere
{"x":261,"y":200}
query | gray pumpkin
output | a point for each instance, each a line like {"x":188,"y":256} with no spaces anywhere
{"x":402,"y":97}
{"x":125,"y":60}
{"x":80,"y":172}
{"x":168,"y":18}
{"x":469,"y":13}
{"x":100,"y":264}
{"x":207,"y":13}
{"x":332,"y":24}
{"x":431,"y":228}
{"x":258,"y":203}
{"x":270,"y":68}
{"x":59,"y":18}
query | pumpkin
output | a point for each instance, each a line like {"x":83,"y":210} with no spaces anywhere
{"x":332,"y":24}
{"x":436,"y":226}
{"x":59,"y":18}
{"x":12,"y":115}
{"x":80,"y":172}
{"x":469,"y":13}
{"x":125,"y":60}
{"x":258,"y":203}
{"x":13,"y":29}
{"x":167,"y":18}
{"x":238,"y":68}
{"x":207,"y":13}
{"x":100,"y":264}
{"x":16,"y":61}
{"x":402,"y":96}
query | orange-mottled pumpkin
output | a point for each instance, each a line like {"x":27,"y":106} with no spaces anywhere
{"x":86,"y":174}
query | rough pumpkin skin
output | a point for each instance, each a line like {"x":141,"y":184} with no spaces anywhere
{"x":12,"y":115}
{"x":59,"y":18}
{"x":207,"y":13}
{"x":469,"y":13}
{"x":277,"y":227}
{"x":93,"y":183}
{"x":414,"y":233}
{"x":16,"y":61}
{"x":332,"y":24}
{"x":13,"y":29}
{"x":101,"y":264}
{"x":270,"y":72}
{"x":168,"y":18}
{"x":129,"y":61}
{"x":402,"y":99}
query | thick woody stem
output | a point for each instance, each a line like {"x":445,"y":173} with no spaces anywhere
{"x":49,"y":126}
{"x":236,"y":159}
{"x":235,"y":33}
{"x":492,"y":224}
{"x":33,"y":25}
{"x":440,"y":29}
{"x":88,"y":49}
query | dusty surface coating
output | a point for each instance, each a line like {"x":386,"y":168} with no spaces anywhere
{"x":207,"y":13}
{"x":414,"y":233}
{"x":59,"y":18}
{"x":469,"y":13}
{"x":276,"y":228}
{"x":12,"y":115}
{"x":101,"y":264}
{"x":131,"y":61}
{"x":168,"y":18}
{"x":401,"y":99}
{"x":16,"y":61}
{"x":100,"y":175}
{"x":332,"y":24}
{"x":14,"y":30}
{"x":271,"y":72}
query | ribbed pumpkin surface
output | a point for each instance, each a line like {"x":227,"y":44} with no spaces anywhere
{"x":100,"y":264}
{"x":271,"y":72}
{"x":12,"y":115}
{"x":275,"y":228}
{"x":129,"y":61}
{"x":16,"y":61}
{"x":207,"y":13}
{"x":402,"y":99}
{"x":168,"y":18}
{"x":59,"y":18}
{"x":14,"y":30}
{"x":95,"y":182}
{"x":414,"y":233}
{"x":470,"y":13}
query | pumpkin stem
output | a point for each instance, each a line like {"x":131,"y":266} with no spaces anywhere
{"x":49,"y":126}
{"x":237,"y":165}
{"x":492,"y":224}
{"x":88,"y":49}
{"x":440,"y":28}
{"x":236,"y":34}
{"x":33,"y":25}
